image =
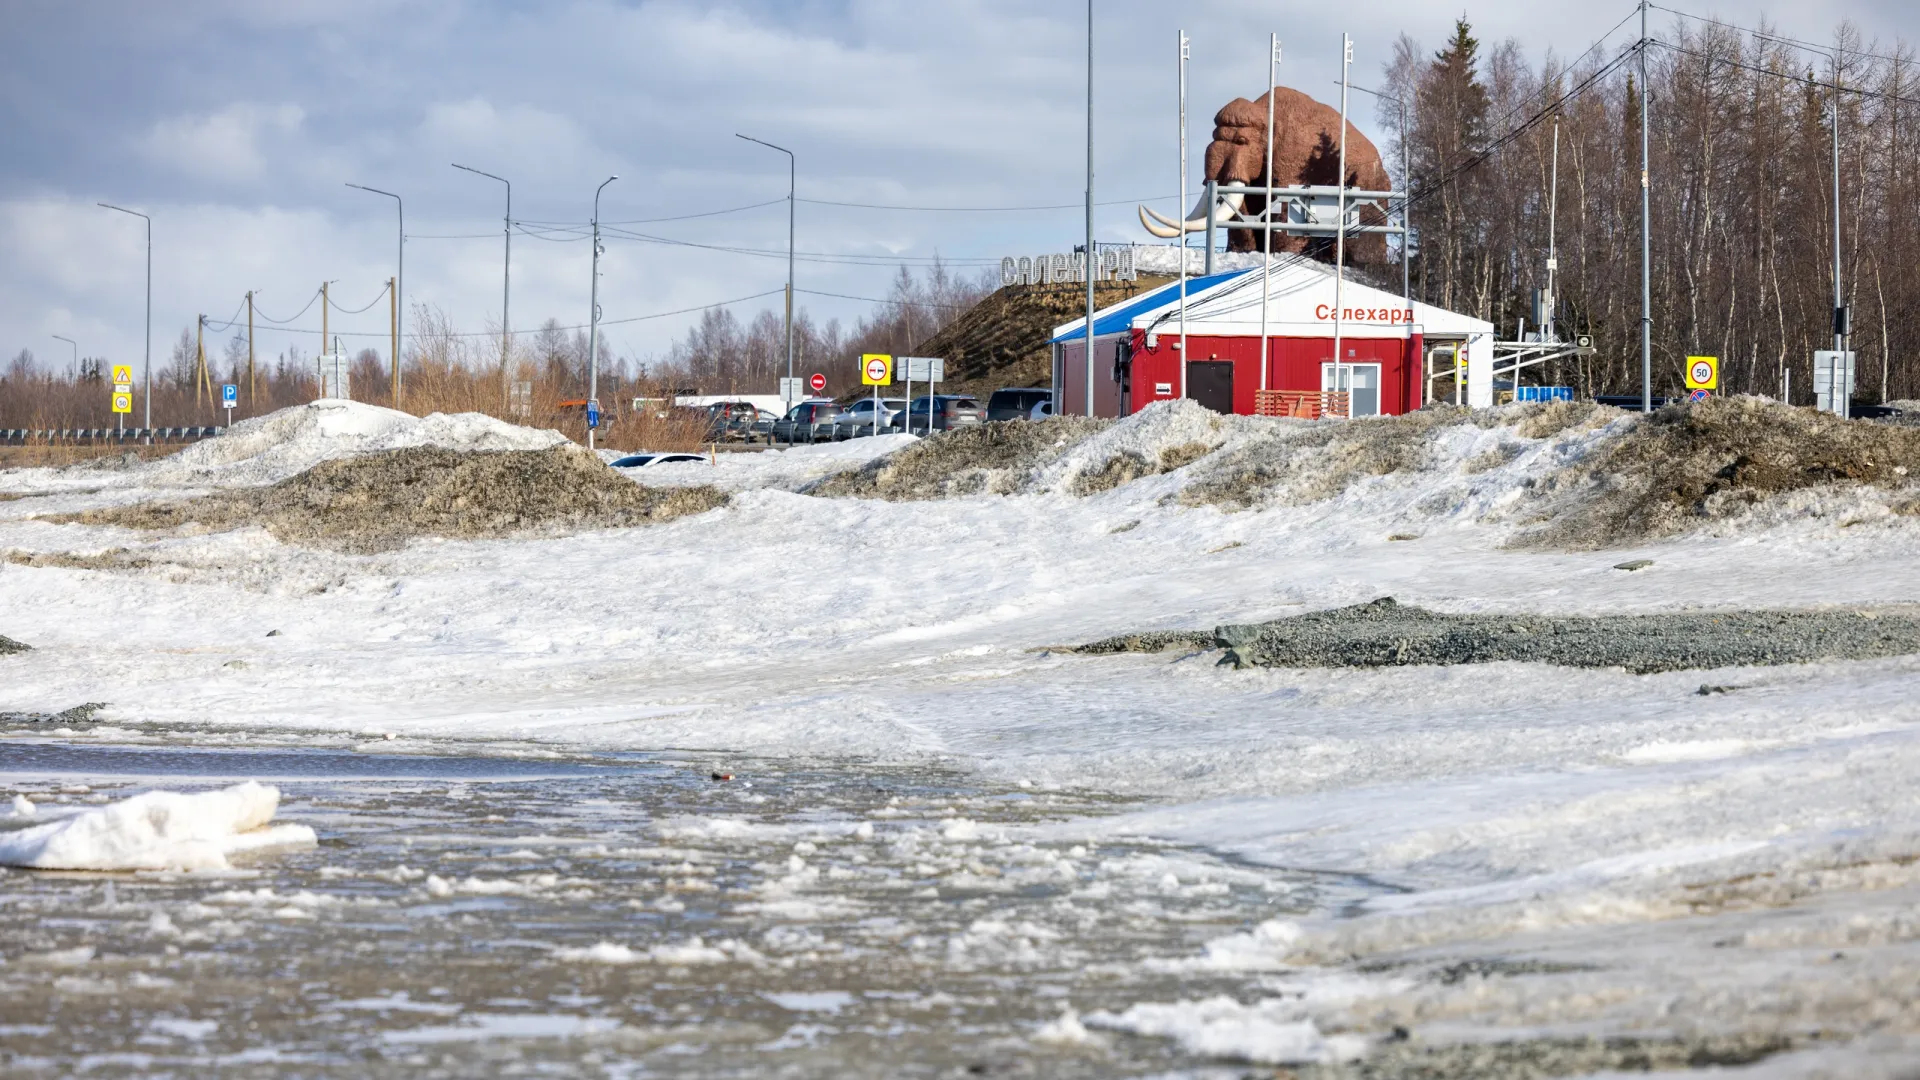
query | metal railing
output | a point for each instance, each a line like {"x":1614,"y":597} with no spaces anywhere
{"x":56,"y":436}
{"x":1303,"y":404}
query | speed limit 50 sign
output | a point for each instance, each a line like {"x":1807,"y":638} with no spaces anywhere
{"x":876,"y":369}
{"x":1703,"y":373}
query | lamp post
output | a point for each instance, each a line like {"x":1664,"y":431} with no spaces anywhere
{"x":506,"y":284}
{"x":792,"y":174}
{"x":593,"y":322}
{"x":146,"y":395}
{"x":400,"y":280}
{"x":76,"y":352}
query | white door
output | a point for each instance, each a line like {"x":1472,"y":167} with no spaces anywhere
{"x":1361,"y":382}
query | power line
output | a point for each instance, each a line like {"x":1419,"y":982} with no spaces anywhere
{"x":1784,"y":76}
{"x":895,"y":303}
{"x":1808,"y":46}
{"x":980,"y":209}
{"x":268,"y":318}
{"x":368,"y":304}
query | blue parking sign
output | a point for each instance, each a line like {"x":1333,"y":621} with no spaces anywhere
{"x":229,"y":396}
{"x":593,"y":414}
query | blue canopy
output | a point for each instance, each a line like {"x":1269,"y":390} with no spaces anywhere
{"x":1119,"y":317}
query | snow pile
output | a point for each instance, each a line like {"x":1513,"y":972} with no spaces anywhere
{"x":788,"y":469}
{"x":273,"y":447}
{"x":160,"y":830}
{"x":1269,"y":1032}
{"x":1159,"y":438}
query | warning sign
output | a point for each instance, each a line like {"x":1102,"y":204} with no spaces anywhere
{"x":876,"y":369}
{"x":122,"y":402}
{"x":123,"y":374}
{"x":1703,"y":373}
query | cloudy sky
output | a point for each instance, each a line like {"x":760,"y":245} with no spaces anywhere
{"x":237,"y":125}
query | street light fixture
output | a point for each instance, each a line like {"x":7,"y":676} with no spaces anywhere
{"x":506,"y":283}
{"x":791,"y":175}
{"x":593,"y":322}
{"x":146,"y":395}
{"x":399,"y":282}
{"x":76,"y":352}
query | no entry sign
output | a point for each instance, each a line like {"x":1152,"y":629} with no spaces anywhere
{"x":817,"y":383}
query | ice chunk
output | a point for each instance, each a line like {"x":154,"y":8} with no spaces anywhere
{"x":1265,"y":1032}
{"x":160,"y":830}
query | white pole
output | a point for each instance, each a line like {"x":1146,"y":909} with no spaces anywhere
{"x":1340,"y":224}
{"x":593,"y":320}
{"x":1183,"y":202}
{"x":1266,"y":268}
{"x":1553,"y":216}
{"x":1092,"y":270}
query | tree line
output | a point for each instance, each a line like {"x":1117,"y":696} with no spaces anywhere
{"x":1741,"y":184}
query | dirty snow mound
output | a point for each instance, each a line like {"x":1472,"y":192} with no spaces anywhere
{"x":160,"y":830}
{"x":1160,"y":438}
{"x":379,"y":501}
{"x":1689,"y":465}
{"x":270,"y":448}
{"x":994,"y":458}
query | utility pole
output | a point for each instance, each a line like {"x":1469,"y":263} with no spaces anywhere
{"x":1092,"y":264}
{"x":1646,"y":235}
{"x":506,"y":288}
{"x":792,"y":177}
{"x":1183,"y":228}
{"x":76,"y":352}
{"x":1266,"y":265}
{"x":1837,"y":390}
{"x":1340,"y":225}
{"x":593,"y":332}
{"x":400,"y":276}
{"x":147,"y":394}
{"x":1553,"y":217}
{"x":324,"y":304}
{"x":200,"y":361}
{"x":250,"y":389}
{"x":393,"y":326}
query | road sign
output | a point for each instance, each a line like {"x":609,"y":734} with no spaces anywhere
{"x":817,"y":383}
{"x":229,"y":396}
{"x":122,"y":400}
{"x":876,"y":369}
{"x":593,"y":413}
{"x":792,"y":390}
{"x":1703,"y":373}
{"x":923,"y":368}
{"x":123,"y":374}
{"x":1700,"y":395}
{"x":1832,"y":381}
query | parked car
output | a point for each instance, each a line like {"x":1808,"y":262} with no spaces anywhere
{"x":805,"y":422}
{"x":949,"y":411}
{"x":645,"y":460}
{"x":858,"y":421}
{"x":1041,"y":410}
{"x":1015,"y":404}
{"x":731,"y":420}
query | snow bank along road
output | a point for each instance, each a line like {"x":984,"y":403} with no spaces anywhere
{"x":1570,"y":852}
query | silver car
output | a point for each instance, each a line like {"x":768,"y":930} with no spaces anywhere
{"x":858,"y":421}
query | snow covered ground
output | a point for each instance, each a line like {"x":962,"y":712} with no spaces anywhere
{"x":1618,"y":853}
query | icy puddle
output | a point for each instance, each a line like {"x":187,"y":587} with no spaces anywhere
{"x":469,"y":916}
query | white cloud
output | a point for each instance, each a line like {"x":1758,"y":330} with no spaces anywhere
{"x":228,"y":146}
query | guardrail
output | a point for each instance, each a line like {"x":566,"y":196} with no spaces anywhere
{"x":33,"y":436}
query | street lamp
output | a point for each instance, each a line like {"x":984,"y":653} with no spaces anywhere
{"x":399,"y":282}
{"x":147,"y":394}
{"x":593,"y":322}
{"x":76,"y":352}
{"x":791,"y":173}
{"x":506,"y":283}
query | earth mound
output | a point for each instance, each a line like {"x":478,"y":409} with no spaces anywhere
{"x":379,"y":501}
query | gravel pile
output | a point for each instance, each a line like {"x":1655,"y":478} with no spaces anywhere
{"x":378,"y":502}
{"x":1386,"y":634}
{"x":8,"y":646}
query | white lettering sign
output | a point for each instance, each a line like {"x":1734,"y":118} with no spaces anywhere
{"x":1113,"y":264}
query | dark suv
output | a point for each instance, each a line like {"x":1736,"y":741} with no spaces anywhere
{"x":808,"y":421}
{"x":1015,"y":404}
{"x":949,"y":411}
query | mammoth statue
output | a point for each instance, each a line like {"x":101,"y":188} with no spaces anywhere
{"x":1305,"y":151}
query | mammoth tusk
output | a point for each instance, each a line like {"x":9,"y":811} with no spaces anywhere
{"x":1159,"y":224}
{"x":1225,"y":209}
